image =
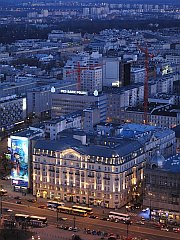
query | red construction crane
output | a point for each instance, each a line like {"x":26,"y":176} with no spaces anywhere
{"x":147,"y":56}
{"x":79,"y":69}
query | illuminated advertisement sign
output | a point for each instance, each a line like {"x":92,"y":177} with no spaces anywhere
{"x":19,"y":156}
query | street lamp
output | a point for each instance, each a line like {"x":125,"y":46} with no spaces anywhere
{"x":1,"y":195}
{"x":150,"y":195}
{"x":57,"y":216}
{"x":74,"y":220}
{"x":103,"y":203}
{"x":127,"y":230}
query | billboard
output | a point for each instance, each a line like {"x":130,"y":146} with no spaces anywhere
{"x":19,"y":156}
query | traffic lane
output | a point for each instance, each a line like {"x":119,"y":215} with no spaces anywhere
{"x":88,"y":222}
{"x":146,"y":225}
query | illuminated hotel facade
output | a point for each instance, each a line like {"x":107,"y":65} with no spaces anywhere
{"x":107,"y":173}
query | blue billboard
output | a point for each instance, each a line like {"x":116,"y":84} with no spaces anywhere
{"x":19,"y":157}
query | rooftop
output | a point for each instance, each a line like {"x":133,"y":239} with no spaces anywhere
{"x":172,"y":164}
{"x":28,"y":133}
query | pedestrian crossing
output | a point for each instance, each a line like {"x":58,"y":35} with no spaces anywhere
{"x":133,"y":214}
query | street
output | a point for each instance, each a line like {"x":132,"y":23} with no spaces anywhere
{"x":88,"y":223}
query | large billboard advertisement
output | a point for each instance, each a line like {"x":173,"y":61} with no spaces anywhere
{"x":19,"y":156}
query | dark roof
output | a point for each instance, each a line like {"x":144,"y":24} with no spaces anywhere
{"x":123,"y":148}
{"x":164,"y":113}
{"x":172,"y":164}
{"x":59,"y":145}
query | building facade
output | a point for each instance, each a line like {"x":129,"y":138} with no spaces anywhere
{"x":106,"y":174}
{"x":66,"y":102}
{"x":162,"y":185}
{"x":12,"y":111}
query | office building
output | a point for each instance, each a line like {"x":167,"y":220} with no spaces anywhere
{"x":67,"y":101}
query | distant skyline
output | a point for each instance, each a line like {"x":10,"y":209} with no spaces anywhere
{"x":98,"y":1}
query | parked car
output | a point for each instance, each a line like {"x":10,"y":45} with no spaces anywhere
{"x":140,"y":222}
{"x":66,"y":228}
{"x":165,"y":229}
{"x":42,"y":206}
{"x":104,"y":219}
{"x":93,"y":216}
{"x":62,"y":218}
{"x":17,"y":197}
{"x":8,"y":210}
{"x":18,"y":202}
{"x":176,"y":229}
{"x":32,"y":200}
{"x":75,"y":229}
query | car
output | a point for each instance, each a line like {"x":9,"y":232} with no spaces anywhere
{"x":145,"y":210}
{"x":4,"y":178}
{"x":18,"y":202}
{"x":31,"y":200}
{"x":42,"y":206}
{"x":176,"y":229}
{"x":62,"y":219}
{"x":104,"y":219}
{"x":9,"y":210}
{"x":140,"y":222}
{"x":70,"y":228}
{"x":93,"y":216}
{"x":165,"y":229}
{"x":61,"y":227}
{"x":66,"y":228}
{"x":75,"y":229}
{"x":128,"y":222}
{"x":17,"y":198}
{"x":88,"y":231}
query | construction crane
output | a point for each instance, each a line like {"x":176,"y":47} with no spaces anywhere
{"x":147,"y":56}
{"x":78,"y":71}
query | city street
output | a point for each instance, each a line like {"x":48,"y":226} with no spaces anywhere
{"x":82,"y":223}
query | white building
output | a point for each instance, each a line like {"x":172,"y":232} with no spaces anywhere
{"x":99,"y":170}
{"x":138,"y":75}
{"x":85,"y":70}
{"x":55,"y":126}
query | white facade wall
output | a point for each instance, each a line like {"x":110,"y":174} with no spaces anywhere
{"x":111,"y":71}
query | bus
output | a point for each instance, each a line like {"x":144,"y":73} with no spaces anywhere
{"x":87,"y":209}
{"x":78,"y":212}
{"x":21,"y":217}
{"x":36,"y":223}
{"x":72,"y":211}
{"x":29,"y":219}
{"x":52,"y":205}
{"x":62,"y":209}
{"x":119,"y":216}
{"x":37,"y":218}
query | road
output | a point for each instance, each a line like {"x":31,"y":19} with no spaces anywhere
{"x":96,"y":224}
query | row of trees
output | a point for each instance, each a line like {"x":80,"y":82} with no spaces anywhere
{"x":10,"y":33}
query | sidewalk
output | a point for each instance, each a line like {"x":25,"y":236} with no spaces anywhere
{"x":41,"y":201}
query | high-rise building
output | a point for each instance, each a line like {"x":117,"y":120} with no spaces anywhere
{"x":86,"y":71}
{"x":116,"y":72}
